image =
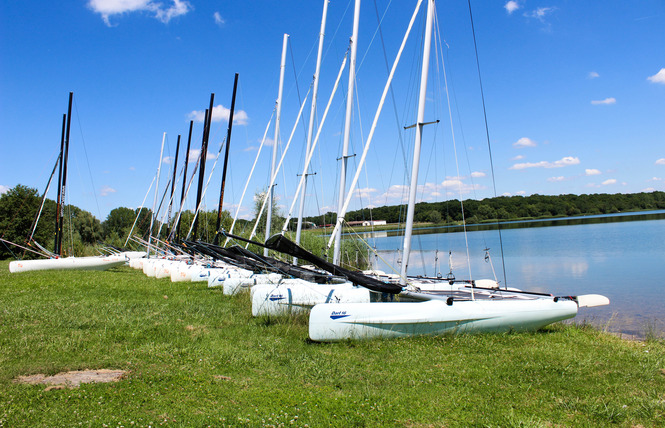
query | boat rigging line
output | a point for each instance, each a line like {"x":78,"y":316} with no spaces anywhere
{"x":487,"y":133}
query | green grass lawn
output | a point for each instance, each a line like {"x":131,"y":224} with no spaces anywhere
{"x":197,"y":358}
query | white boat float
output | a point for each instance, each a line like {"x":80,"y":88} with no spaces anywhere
{"x":67,"y":263}
{"x":217,"y":277}
{"x":235,"y":285}
{"x":292,"y":296}
{"x":336,"y":321}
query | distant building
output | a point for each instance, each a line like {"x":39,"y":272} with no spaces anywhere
{"x":373,"y":222}
{"x":360,"y":223}
{"x":367,"y":223}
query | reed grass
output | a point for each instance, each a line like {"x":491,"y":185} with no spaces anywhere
{"x":197,"y":358}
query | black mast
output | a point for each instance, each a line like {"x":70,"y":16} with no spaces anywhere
{"x":184,"y":180}
{"x":175,"y":168}
{"x":64,"y":176}
{"x":226,"y":161}
{"x":57,"y":206}
{"x":204,"y":151}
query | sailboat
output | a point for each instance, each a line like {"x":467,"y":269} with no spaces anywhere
{"x":414,"y":312}
{"x":55,"y":261}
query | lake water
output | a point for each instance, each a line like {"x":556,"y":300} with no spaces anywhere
{"x":619,"y":256}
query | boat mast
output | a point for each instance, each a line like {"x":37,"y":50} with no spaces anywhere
{"x":204,"y":152}
{"x":154,"y":203}
{"x":368,"y":142}
{"x":226,"y":161}
{"x":312,"y":114}
{"x":184,"y":180}
{"x":175,"y":169}
{"x":419,"y":135}
{"x":33,"y":229}
{"x":347,"y":127}
{"x":276,"y":139}
{"x":57,"y":206}
{"x":64,"y":178}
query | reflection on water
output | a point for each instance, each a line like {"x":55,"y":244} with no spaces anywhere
{"x":620,"y":256}
{"x":374,"y":235}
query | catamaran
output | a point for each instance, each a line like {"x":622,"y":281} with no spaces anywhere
{"x":466,"y":307}
{"x":55,"y":261}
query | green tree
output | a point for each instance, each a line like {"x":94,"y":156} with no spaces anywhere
{"x":119,"y":221}
{"x":277,"y":218}
{"x":18,"y":207}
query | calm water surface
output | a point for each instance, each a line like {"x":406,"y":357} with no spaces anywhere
{"x":623,"y":260}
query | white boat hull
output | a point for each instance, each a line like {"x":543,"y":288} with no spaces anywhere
{"x":292,"y":296}
{"x":68,"y":263}
{"x":232,"y":286}
{"x":219,"y":276}
{"x":334,"y":321}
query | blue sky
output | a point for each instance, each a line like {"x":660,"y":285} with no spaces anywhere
{"x":574,"y":91}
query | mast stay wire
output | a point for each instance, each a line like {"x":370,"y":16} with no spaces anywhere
{"x":487,"y":133}
{"x":451,"y":87}
{"x":452,"y":131}
{"x":87,"y":161}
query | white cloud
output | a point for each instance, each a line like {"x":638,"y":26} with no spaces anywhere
{"x":195,"y":153}
{"x":610,"y":100}
{"x":656,"y":179}
{"x":648,"y":189}
{"x":219,"y":113}
{"x":511,"y":6}
{"x":108,"y":8}
{"x":593,"y":75}
{"x":555,"y":179}
{"x":3,"y":189}
{"x":660,"y":161}
{"x":567,"y":161}
{"x":106,"y":190}
{"x":450,"y":187}
{"x":658,"y":77}
{"x":524,"y":142}
{"x":218,"y":19}
{"x":179,"y":7}
{"x":518,"y":157}
{"x":364,"y":193}
{"x":520,"y":193}
{"x":592,"y":172}
{"x":478,"y":174}
{"x":540,"y":13}
{"x":398,"y":192}
{"x":608,"y":182}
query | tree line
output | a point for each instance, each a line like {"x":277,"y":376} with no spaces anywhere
{"x":82,"y":231}
{"x":507,"y":208}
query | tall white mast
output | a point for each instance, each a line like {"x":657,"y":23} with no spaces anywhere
{"x":274,"y":147}
{"x":419,"y":135}
{"x":312,"y":113}
{"x":154,"y":203}
{"x":347,"y":127}
{"x":341,"y":214}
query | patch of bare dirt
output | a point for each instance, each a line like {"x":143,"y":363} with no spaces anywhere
{"x":220,"y":377}
{"x":72,"y":379}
